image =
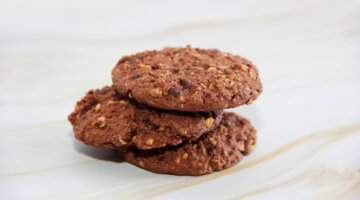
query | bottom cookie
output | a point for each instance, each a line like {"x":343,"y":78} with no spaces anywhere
{"x":214,"y":151}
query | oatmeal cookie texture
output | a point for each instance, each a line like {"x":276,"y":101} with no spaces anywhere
{"x":187,"y":79}
{"x":216,"y":150}
{"x":164,"y":111}
{"x":104,"y":118}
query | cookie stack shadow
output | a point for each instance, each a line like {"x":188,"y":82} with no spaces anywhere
{"x":164,"y":111}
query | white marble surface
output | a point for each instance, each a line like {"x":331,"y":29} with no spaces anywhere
{"x":308,"y":117}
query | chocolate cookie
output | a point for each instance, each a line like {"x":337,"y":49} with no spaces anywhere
{"x":187,"y":79}
{"x":214,"y":151}
{"x":104,"y":118}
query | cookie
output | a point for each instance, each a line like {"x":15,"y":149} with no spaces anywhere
{"x":104,"y":118}
{"x":187,"y":79}
{"x":214,"y":151}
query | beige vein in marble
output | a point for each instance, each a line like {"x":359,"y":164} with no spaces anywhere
{"x":153,"y":192}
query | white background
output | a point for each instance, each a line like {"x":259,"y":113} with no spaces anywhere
{"x":308,"y":117}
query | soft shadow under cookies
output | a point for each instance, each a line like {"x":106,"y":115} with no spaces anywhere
{"x":97,"y":153}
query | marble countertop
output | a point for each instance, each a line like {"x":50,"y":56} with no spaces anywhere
{"x":308,"y":117}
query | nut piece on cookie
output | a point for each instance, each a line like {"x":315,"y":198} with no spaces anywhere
{"x":103,"y":122}
{"x":98,"y":107}
{"x":156,"y":92}
{"x":209,"y":122}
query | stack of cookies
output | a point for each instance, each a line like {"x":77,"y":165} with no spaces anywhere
{"x":164,"y":111}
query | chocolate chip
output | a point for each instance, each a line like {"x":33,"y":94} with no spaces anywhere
{"x":163,"y":159}
{"x":211,"y":150}
{"x":155,"y":67}
{"x":185,"y":83}
{"x":147,"y":122}
{"x":136,"y":77}
{"x":174,"y":91}
{"x":133,"y":132}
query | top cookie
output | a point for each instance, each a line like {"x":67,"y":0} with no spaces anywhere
{"x":187,"y":79}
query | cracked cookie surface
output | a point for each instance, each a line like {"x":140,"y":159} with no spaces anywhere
{"x":104,"y":118}
{"x":187,"y":79}
{"x":216,"y":150}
